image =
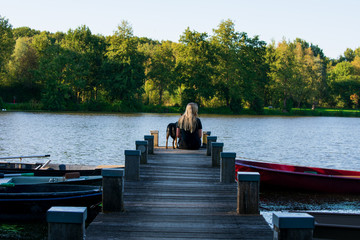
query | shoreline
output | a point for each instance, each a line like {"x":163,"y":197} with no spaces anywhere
{"x":295,"y":112}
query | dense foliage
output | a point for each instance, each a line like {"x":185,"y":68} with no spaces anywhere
{"x":78,"y":70}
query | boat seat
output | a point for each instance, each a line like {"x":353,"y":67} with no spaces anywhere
{"x":5,"y":180}
{"x":72,"y":175}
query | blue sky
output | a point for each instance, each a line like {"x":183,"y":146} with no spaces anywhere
{"x":332,"y":25}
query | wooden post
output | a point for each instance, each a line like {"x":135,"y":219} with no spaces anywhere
{"x":150,"y":139}
{"x":210,"y":139}
{"x":248,"y":193}
{"x":227,"y":167}
{"x":288,"y":226}
{"x":143,"y":147}
{"x":66,"y":223}
{"x":132,"y":164}
{"x":204,"y":138}
{"x":155,"y":133}
{"x":216,"y":149}
{"x":113,"y":189}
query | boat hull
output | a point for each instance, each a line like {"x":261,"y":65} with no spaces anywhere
{"x":29,"y":180}
{"x":32,"y":202}
{"x":336,"y":225}
{"x":53,"y":169}
{"x":289,"y":177}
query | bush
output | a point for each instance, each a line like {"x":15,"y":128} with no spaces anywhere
{"x":2,"y":104}
{"x":98,"y":105}
{"x":187,"y":96}
{"x":257,"y":106}
{"x":126,"y":106}
{"x":236,"y":105}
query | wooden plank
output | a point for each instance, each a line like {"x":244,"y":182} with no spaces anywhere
{"x":179,"y":196}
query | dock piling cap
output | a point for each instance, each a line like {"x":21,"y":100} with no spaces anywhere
{"x":228,"y":155}
{"x":217,"y":144}
{"x":293,"y":220}
{"x":132,"y":152}
{"x":66,"y":215}
{"x":113,"y":172}
{"x":248,"y":176}
{"x":141,"y":142}
{"x":212,"y":138}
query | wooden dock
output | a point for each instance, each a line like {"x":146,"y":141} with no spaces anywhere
{"x":179,"y":196}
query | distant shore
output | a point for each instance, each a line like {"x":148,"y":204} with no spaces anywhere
{"x":267,"y":111}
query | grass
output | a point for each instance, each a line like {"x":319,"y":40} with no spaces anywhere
{"x":328,"y":112}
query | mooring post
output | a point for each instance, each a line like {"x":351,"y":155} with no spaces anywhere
{"x":132,"y":164}
{"x":66,"y":222}
{"x":155,"y":133}
{"x":248,"y":193}
{"x":210,"y":139}
{"x":288,"y":226}
{"x":216,"y":149}
{"x":143,"y":147}
{"x":150,"y":139}
{"x":227,"y":167}
{"x":204,"y":138}
{"x":113,"y":189}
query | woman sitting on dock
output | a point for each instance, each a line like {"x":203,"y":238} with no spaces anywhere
{"x":189,"y":129}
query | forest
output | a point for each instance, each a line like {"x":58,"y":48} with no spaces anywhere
{"x":228,"y":70}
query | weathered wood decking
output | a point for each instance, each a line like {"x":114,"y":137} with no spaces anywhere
{"x":179,"y":196}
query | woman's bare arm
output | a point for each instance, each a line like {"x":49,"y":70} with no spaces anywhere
{"x":178,"y":132}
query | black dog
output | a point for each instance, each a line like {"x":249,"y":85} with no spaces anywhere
{"x":171,"y":131}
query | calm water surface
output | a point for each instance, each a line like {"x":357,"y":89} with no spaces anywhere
{"x":102,"y":138}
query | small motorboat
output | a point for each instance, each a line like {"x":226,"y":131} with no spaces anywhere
{"x":330,"y":225}
{"x":29,"y":179}
{"x":49,"y":169}
{"x":31,"y":202}
{"x":291,"y":177}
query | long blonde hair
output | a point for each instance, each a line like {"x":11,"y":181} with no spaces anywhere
{"x":188,"y":120}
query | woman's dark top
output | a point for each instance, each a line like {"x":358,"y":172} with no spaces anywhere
{"x":190,"y":140}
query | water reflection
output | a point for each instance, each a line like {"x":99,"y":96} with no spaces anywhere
{"x":102,"y":138}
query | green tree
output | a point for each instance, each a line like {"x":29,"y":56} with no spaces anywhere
{"x":41,"y":42}
{"x":296,"y":73}
{"x":240,"y":68}
{"x":21,"y":73}
{"x":87,"y":56}
{"x":160,"y":70}
{"x":252,"y":57}
{"x":349,"y":55}
{"x":344,"y":83}
{"x":53,"y":72}
{"x":24,"y":32}
{"x":309,"y":74}
{"x":123,"y":68}
{"x":356,"y":64}
{"x":195,"y":59}
{"x":282,"y":71}
{"x":7,"y":42}
{"x":227,"y":79}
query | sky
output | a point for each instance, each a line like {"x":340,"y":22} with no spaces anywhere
{"x":333,"y":25}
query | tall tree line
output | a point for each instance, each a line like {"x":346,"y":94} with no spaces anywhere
{"x":78,"y":70}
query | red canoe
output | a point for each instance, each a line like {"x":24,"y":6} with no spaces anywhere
{"x":281,"y":176}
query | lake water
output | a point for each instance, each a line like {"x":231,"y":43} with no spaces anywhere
{"x":96,"y":139}
{"x":76,"y":138}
